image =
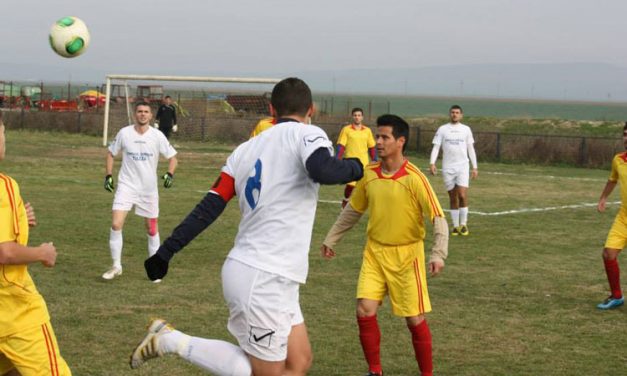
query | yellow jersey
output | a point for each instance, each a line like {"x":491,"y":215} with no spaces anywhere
{"x":619,"y":174}
{"x":356,"y":142}
{"x":21,"y":305}
{"x":262,"y":125}
{"x":397,"y":204}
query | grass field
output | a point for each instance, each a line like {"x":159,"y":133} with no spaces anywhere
{"x":517,"y":296}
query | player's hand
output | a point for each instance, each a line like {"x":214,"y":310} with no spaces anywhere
{"x":474,"y":173}
{"x":157,"y":125}
{"x":433,"y":169}
{"x":30,"y":215}
{"x":156,"y":267}
{"x":168,"y":180}
{"x":48,"y":254}
{"x":435,"y":267}
{"x":327,"y":252}
{"x":601,"y":206}
{"x":175,"y":128}
{"x":108,"y":184}
{"x":361,"y":167}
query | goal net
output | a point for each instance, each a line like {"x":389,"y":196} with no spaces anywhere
{"x":218,"y":108}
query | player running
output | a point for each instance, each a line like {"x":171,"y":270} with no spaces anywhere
{"x":397,"y":195}
{"x":141,"y":146}
{"x":276,"y":177}
{"x":355,"y":141}
{"x":457,"y":145}
{"x":28,"y":345}
{"x":617,"y":237}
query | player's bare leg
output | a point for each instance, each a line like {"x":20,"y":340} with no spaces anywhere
{"x":12,"y":372}
{"x":299,"y":354}
{"x":266,"y":368}
{"x":453,"y":198}
{"x":421,"y":340}
{"x":369,"y":334}
{"x":612,"y":271}
{"x":118,"y":217}
{"x":462,"y":195}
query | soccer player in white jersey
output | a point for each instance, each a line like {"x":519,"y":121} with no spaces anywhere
{"x":276,"y":177}
{"x":140,"y":145}
{"x":457,"y":145}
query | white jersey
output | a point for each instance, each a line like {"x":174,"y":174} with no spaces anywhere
{"x":140,"y":158}
{"x":455,"y":139}
{"x":277,"y":198}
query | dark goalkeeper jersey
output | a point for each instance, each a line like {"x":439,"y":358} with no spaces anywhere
{"x":166,"y":115}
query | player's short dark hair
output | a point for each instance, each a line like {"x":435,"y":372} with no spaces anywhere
{"x":291,"y":96}
{"x":400,"y":128}
{"x":167,"y":96}
{"x":141,"y":103}
{"x":456,"y":107}
{"x":357,"y":109}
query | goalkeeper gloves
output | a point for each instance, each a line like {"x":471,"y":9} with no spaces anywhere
{"x":168,"y":179}
{"x":108,"y":184}
{"x":175,"y":128}
{"x":156,"y":267}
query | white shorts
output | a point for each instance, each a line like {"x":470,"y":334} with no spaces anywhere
{"x":456,"y":176}
{"x":146,"y":205}
{"x":263,"y":308}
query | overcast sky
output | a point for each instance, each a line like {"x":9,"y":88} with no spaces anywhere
{"x":283,"y":37}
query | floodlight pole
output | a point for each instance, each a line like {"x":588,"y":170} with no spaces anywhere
{"x":171,"y":78}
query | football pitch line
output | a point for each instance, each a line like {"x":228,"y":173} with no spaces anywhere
{"x":515,"y":211}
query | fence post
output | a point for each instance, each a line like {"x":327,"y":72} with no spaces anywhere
{"x":498,"y":147}
{"x":79,"y":115}
{"x":418,"y":130}
{"x":583,"y":152}
{"x":202,"y":128}
{"x":22,"y":118}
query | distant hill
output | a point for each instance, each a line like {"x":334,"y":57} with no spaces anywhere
{"x":581,"y":81}
{"x":571,"y":82}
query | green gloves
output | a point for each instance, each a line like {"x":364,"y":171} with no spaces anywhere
{"x":168,"y":179}
{"x":108,"y":184}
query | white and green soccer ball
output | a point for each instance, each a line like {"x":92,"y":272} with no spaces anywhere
{"x":69,"y":37}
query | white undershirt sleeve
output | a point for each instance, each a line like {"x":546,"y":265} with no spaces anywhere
{"x":434,"y":153}
{"x":472,"y":155}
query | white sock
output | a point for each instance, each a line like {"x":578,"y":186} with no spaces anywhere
{"x":153,"y":244}
{"x":455,"y":217}
{"x":115,"y":245}
{"x":220,"y":358}
{"x":463,"y":215}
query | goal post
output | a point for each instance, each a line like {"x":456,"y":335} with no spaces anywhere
{"x":130,"y":77}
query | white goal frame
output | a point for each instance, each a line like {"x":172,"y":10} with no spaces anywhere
{"x":135,"y":77}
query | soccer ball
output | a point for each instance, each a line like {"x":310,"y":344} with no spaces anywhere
{"x":69,"y":37}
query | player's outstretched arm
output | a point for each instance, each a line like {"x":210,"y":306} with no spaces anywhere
{"x":325,"y":169}
{"x":204,"y":214}
{"x":12,"y":253}
{"x":439,"y":250}
{"x":609,"y":187}
{"x":345,"y":221}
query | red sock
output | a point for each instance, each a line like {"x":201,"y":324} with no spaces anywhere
{"x":370,"y":338}
{"x":421,"y":339}
{"x":613,"y":277}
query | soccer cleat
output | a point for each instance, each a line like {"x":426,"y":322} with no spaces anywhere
{"x":112,"y":273}
{"x":463,"y":230}
{"x":455,"y":231}
{"x":148,"y":348}
{"x":611,"y":303}
{"x":370,"y":373}
{"x":156,"y":281}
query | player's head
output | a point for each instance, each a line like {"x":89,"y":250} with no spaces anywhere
{"x":291,"y":97}
{"x":167,"y":99}
{"x":456,"y":113}
{"x":143,"y":113}
{"x":392,"y":135}
{"x":358,"y":115}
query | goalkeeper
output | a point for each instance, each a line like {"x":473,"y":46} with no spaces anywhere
{"x":140,"y":145}
{"x":398,"y":195}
